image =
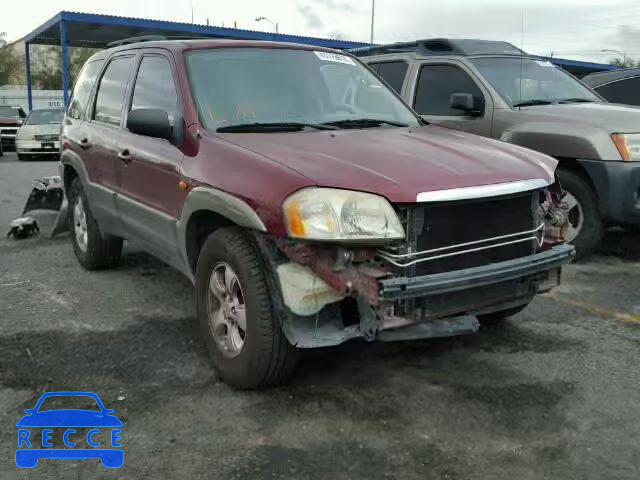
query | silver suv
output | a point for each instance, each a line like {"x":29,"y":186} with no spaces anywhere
{"x":496,"y":90}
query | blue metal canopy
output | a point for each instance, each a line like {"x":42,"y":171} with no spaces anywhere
{"x":74,"y":29}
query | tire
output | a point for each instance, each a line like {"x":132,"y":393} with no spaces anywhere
{"x":585,"y":215}
{"x":97,"y":251}
{"x":22,"y":157}
{"x":265,"y":358}
{"x":494,"y":318}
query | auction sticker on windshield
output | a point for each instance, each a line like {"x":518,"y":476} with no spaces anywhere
{"x":54,"y":430}
{"x":334,"y":57}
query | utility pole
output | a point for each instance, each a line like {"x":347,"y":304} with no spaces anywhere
{"x":373,"y":14}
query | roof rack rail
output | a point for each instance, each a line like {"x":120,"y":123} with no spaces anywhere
{"x":151,"y":38}
{"x":440,"y":46}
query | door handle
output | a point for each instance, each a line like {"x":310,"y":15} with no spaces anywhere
{"x":85,"y":143}
{"x":125,"y":156}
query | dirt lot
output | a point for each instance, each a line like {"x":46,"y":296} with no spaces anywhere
{"x":553,"y":393}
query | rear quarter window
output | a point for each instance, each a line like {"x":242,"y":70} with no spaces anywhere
{"x":392,"y":72}
{"x":82,"y":89}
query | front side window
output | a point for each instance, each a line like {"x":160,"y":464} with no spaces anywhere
{"x":526,"y":81}
{"x":83,"y":87}
{"x":276,"y":85}
{"x":111,"y":90}
{"x":625,"y":91}
{"x":43,"y":117}
{"x":392,"y":72}
{"x":154,"y":87}
{"x":436,"y":84}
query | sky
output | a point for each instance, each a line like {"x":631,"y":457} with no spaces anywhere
{"x":577,"y":29}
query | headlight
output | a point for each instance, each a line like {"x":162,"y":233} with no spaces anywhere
{"x":628,"y":144}
{"x":332,"y":214}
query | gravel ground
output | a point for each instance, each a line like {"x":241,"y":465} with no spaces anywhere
{"x":552,"y":393}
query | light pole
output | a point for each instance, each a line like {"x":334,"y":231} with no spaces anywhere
{"x":275,"y":24}
{"x":373,"y":14}
{"x":624,"y":55}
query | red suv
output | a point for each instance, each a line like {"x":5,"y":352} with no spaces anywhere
{"x":307,"y":203}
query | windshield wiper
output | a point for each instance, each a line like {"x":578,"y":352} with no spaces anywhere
{"x":364,"y":123}
{"x":273,"y":127}
{"x":576,"y":100}
{"x":529,"y":103}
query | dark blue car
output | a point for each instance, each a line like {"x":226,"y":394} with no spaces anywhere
{"x":97,"y":416}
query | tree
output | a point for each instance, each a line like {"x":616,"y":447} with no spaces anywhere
{"x":625,"y":62}
{"x":9,"y":63}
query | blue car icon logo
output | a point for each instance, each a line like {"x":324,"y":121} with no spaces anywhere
{"x":103,"y":430}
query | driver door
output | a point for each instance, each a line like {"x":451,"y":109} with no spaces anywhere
{"x":436,"y":82}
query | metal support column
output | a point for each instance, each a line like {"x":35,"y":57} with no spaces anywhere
{"x":27,"y":56}
{"x":65,"y":62}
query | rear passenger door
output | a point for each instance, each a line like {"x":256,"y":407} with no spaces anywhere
{"x":149,"y":201}
{"x":99,"y":143}
{"x":434,"y":85}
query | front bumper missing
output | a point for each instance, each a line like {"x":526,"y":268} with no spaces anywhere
{"x":448,"y":302}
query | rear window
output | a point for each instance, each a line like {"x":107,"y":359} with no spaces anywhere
{"x":82,"y":90}
{"x":392,"y":72}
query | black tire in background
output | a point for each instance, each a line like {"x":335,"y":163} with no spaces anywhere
{"x":266,"y":358}
{"x":592,"y":230}
{"x":22,"y":157}
{"x":102,"y":251}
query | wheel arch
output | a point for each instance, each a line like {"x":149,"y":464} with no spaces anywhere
{"x":206,"y":210}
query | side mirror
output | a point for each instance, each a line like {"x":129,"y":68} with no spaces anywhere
{"x":467,"y":103}
{"x":152,"y":123}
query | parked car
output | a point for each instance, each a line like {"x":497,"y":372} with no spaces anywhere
{"x":305,"y":200}
{"x":10,"y":120}
{"x":496,"y":90}
{"x":39,"y":134}
{"x":617,"y":86}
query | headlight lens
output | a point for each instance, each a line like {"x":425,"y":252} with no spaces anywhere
{"x":333,"y":214}
{"x":628,"y":144}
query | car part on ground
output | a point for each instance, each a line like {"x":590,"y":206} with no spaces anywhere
{"x":48,"y":194}
{"x":23,"y":227}
{"x":307,"y":203}
{"x":496,"y":90}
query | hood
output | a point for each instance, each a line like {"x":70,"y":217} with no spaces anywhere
{"x":613,"y":118}
{"x":398,"y":163}
{"x":44,"y":129}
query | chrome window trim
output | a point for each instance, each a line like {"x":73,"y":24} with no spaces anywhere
{"x":482,"y":191}
{"x":616,"y":81}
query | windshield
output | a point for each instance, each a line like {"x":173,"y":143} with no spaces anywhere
{"x":42,"y":117}
{"x":285,"y":86}
{"x":11,"y":112}
{"x":531,"y":81}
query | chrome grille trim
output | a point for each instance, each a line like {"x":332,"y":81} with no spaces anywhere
{"x":482,"y":191}
{"x":536,"y":234}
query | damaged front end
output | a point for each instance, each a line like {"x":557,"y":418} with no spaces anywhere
{"x":458,"y":260}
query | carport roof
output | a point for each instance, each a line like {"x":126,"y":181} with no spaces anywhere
{"x":95,"y":31}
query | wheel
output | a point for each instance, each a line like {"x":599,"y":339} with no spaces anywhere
{"x":234,"y":313}
{"x":586,"y":227}
{"x":22,"y":157}
{"x":497,"y":317}
{"x":93,"y":249}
